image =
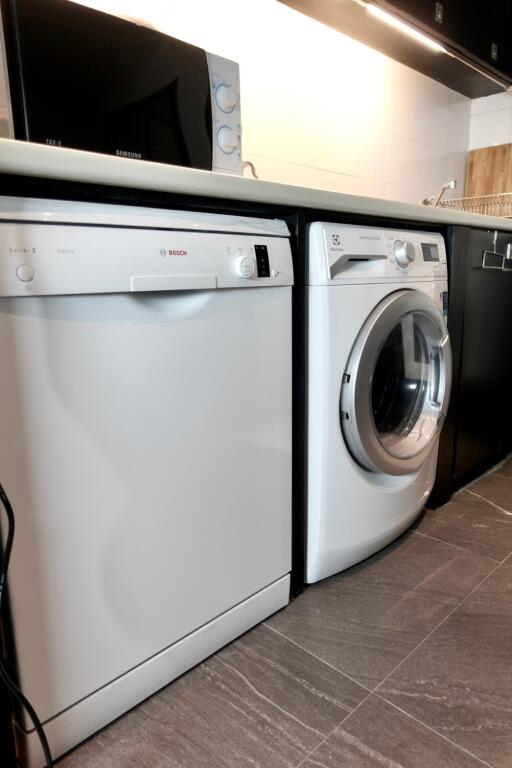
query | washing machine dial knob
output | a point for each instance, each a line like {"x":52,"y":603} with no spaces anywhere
{"x":403,"y":252}
{"x":245,"y":266}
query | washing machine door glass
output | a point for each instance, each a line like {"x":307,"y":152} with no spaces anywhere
{"x":396,"y":386}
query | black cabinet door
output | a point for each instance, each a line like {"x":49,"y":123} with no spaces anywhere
{"x":479,"y":28}
{"x":507,"y":49}
{"x":448,"y":20}
{"x":484,"y":410}
{"x":478,"y":429}
{"x":486,"y":24}
{"x":423,"y":11}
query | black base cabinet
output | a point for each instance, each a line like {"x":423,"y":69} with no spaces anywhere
{"x":477,"y":431}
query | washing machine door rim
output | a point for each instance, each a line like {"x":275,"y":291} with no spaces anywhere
{"x":396,"y":385}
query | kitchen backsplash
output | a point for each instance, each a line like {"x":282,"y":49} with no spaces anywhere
{"x":318,"y":108}
{"x":491,"y":121}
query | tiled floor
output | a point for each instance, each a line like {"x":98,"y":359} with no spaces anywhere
{"x":404,"y":661}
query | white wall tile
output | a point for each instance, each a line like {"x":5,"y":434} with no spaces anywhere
{"x":306,"y":176}
{"x":458,"y":167}
{"x":490,"y":128}
{"x":492,"y":103}
{"x":491,"y":121}
{"x":269,"y":169}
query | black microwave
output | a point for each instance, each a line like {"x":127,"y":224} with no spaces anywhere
{"x":76,"y":77}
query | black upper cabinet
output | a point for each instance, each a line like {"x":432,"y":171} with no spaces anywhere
{"x":477,"y":32}
{"x":422,"y":10}
{"x":483,"y":32}
{"x":477,"y":29}
{"x":507,"y":58}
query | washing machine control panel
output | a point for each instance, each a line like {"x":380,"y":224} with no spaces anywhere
{"x":416,"y":254}
{"x":339,"y":253}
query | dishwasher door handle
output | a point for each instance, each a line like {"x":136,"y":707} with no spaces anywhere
{"x":173,"y":283}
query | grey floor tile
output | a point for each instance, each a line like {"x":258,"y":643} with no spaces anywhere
{"x":471,"y":522}
{"x":380,"y":736}
{"x":505,"y":470}
{"x":497,"y":489}
{"x":459,"y":681}
{"x":367,"y":619}
{"x":259,"y":702}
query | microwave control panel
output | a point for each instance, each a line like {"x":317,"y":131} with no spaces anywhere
{"x":226,"y":125}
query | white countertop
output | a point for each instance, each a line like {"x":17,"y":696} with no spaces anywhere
{"x":37,"y":160}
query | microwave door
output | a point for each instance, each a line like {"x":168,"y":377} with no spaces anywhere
{"x":195,"y":110}
{"x":171,"y":124}
{"x":149,"y":128}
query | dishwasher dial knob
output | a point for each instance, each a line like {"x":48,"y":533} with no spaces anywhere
{"x":225,"y":98}
{"x":403,"y":252}
{"x":245,"y":266}
{"x":227,"y":140}
{"x":25,"y":273}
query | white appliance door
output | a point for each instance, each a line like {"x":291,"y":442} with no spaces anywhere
{"x":395,"y":390}
{"x":145,"y":445}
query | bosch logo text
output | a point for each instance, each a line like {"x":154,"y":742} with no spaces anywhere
{"x":174,"y":252}
{"x":178,"y":252}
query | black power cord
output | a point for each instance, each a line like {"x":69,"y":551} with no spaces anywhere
{"x":4,"y":677}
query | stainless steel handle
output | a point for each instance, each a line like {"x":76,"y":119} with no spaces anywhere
{"x":507,"y":262}
{"x":436,"y":383}
{"x":440,"y":392}
{"x":492,"y":260}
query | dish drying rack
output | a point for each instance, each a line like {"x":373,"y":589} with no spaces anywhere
{"x":492,"y":205}
{"x":499,"y":204}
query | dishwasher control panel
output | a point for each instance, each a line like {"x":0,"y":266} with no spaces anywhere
{"x":100,"y":256}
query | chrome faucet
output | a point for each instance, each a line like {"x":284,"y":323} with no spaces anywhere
{"x":436,"y":199}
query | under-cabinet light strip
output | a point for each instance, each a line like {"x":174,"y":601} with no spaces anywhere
{"x":388,"y":18}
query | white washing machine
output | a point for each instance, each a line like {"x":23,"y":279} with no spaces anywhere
{"x":145,"y":444}
{"x":378,"y":384}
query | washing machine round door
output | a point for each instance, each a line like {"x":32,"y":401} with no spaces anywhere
{"x":396,"y":385}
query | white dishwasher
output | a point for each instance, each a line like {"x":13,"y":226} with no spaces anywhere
{"x":145,"y":444}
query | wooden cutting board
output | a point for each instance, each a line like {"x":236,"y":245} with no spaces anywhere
{"x":489,"y":171}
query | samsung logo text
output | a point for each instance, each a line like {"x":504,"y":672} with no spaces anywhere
{"x":125,"y":153}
